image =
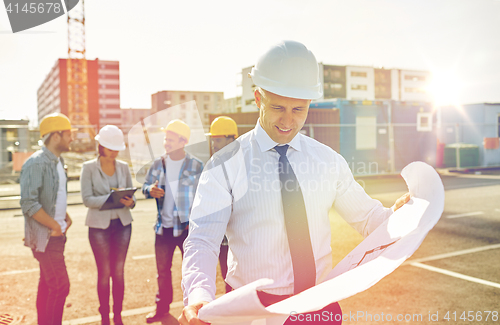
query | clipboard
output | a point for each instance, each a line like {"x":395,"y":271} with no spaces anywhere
{"x":113,"y":201}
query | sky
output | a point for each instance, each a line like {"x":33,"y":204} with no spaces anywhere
{"x":203,"y":45}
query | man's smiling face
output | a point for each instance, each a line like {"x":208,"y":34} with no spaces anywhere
{"x":281,"y":117}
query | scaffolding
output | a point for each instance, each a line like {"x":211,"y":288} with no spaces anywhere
{"x":78,"y":111}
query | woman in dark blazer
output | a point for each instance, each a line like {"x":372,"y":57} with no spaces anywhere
{"x":109,"y":230}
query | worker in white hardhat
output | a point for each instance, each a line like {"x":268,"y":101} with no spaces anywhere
{"x":109,"y":230}
{"x":172,"y":180}
{"x":282,"y":184}
{"x":43,"y":183}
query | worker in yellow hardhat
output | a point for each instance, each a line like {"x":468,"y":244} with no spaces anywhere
{"x":172,"y":180}
{"x":55,"y":123}
{"x":43,"y":201}
{"x":177,"y":135}
{"x":223,"y":131}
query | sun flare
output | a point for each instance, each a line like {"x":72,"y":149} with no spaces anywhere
{"x":445,"y":88}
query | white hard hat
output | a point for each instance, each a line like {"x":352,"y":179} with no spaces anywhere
{"x":111,"y":137}
{"x":288,"y":69}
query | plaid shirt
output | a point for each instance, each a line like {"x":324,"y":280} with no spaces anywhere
{"x":188,"y":182}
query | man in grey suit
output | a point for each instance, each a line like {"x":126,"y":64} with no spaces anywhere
{"x":43,"y":201}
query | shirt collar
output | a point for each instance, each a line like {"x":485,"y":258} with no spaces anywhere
{"x":186,"y":157}
{"x":266,"y":143}
{"x":50,"y":154}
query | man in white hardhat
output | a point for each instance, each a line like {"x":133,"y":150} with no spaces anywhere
{"x":282,"y":184}
{"x":173,"y":175}
{"x":43,"y":201}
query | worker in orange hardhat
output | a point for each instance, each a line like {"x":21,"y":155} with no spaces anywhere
{"x":173,"y":175}
{"x":43,"y":202}
{"x":223,"y":131}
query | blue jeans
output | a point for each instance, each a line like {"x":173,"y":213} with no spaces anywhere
{"x":110,"y":248}
{"x":164,"y":251}
{"x":53,"y":286}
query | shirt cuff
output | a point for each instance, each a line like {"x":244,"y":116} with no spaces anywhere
{"x":33,"y":209}
{"x":198,"y":295}
{"x":145,"y":191}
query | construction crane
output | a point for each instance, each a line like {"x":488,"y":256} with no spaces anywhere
{"x":78,"y":111}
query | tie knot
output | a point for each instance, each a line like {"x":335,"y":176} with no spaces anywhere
{"x":282,"y":150}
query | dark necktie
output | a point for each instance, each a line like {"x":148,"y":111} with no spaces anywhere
{"x":297,"y":228}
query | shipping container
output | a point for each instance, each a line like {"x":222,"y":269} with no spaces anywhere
{"x":323,"y":125}
{"x":245,"y":121}
{"x":471,"y":124}
{"x":364,"y":136}
{"x":367,"y":128}
{"x":414,"y":133}
{"x":468,"y":155}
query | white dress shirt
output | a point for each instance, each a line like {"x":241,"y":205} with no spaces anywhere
{"x":173,"y":171}
{"x":251,"y":214}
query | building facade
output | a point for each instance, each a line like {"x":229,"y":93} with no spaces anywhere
{"x":103,"y":92}
{"x":413,"y":86}
{"x":14,"y":138}
{"x":207,"y":102}
{"x":232,"y":105}
{"x":358,"y":83}
{"x":247,"y":88}
{"x":132,"y":116}
{"x":107,"y":81}
{"x":334,"y":81}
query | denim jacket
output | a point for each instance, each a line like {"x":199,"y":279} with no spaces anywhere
{"x":39,"y":184}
